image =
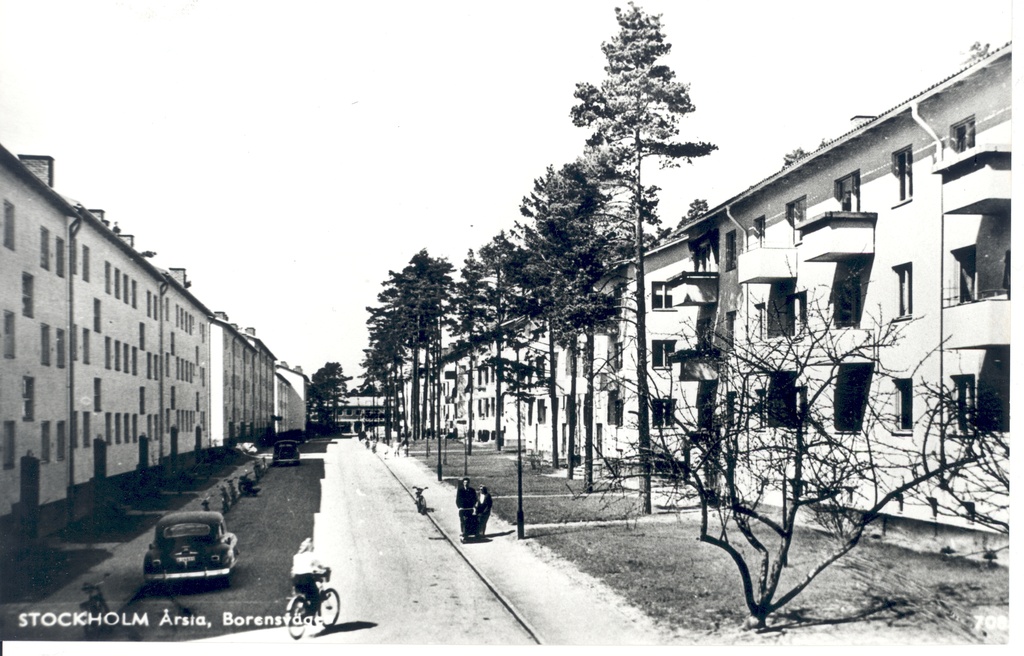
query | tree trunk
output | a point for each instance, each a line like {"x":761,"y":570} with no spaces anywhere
{"x":642,"y":389}
{"x":588,"y":413}
{"x":553,"y":396}
{"x":472,"y":384}
{"x":571,"y":410}
{"x":424,"y":417}
{"x":415,"y":394}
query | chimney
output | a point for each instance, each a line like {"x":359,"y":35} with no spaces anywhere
{"x":297,"y":369}
{"x":128,"y":239}
{"x":41,"y":166}
{"x":223,"y":316}
{"x":235,"y":326}
{"x":250,"y":332}
{"x":101,"y":215}
{"x":861,"y":119}
{"x":283,"y":364}
{"x":180,"y":277}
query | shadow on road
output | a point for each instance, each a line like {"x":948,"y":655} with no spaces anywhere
{"x":345,"y":628}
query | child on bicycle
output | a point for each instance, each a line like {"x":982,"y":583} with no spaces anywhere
{"x":307,"y":571}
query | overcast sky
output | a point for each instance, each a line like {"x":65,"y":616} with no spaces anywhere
{"x":288,"y":155}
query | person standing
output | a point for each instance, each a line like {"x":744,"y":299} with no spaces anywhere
{"x":483,"y":511}
{"x":465,"y":499}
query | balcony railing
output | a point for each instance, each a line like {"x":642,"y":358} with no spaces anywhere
{"x":977,"y":181}
{"x":767,"y":264}
{"x":694,"y":288}
{"x":838,"y":236}
{"x":978,"y":325}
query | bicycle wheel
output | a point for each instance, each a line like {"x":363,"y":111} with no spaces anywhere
{"x":296,"y":614}
{"x":330,"y":607}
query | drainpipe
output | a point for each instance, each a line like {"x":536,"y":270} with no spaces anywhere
{"x":741,"y":231}
{"x":160,"y":368}
{"x":72,"y":233}
{"x":937,"y":157}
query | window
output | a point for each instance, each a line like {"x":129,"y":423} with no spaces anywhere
{"x":542,"y":411}
{"x":60,"y":348}
{"x":97,"y":394}
{"x":730,"y":250}
{"x":27,"y":295}
{"x":44,"y":248}
{"x":707,"y":391}
{"x":967,"y":273}
{"x":106,"y":277}
{"x":85,"y":265}
{"x":756,"y":239}
{"x":59,"y":256}
{"x":796,"y":212}
{"x":107,"y":358}
{"x":117,"y":283}
{"x":705,"y":333}
{"x":44,"y":446}
{"x":108,"y":428}
{"x":847,"y":192}
{"x":134,"y":296}
{"x":28,"y":398}
{"x":964,"y":401}
{"x":117,"y":428}
{"x":117,"y":355}
{"x":903,"y":169}
{"x":44,"y":345}
{"x":96,"y":315}
{"x":905,"y":279}
{"x":853,"y":383}
{"x":85,"y":346}
{"x":904,"y":403}
{"x":783,"y":400}
{"x":8,"y":444}
{"x":848,"y":293}
{"x":730,"y":409}
{"x":135,"y":361}
{"x":62,"y":440}
{"x":142,"y":336}
{"x":8,"y":334}
{"x":661,"y":296}
{"x":124,"y":285}
{"x":729,"y":334}
{"x":661,"y":353}
{"x":8,"y":227}
{"x":757,"y":330}
{"x":126,"y":352}
{"x":961,"y":135}
{"x":662,"y":411}
{"x":615,"y":408}
{"x":86,"y":430}
{"x":757,"y":412}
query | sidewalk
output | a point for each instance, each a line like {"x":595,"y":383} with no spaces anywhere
{"x":559,"y":604}
{"x":120,"y":573}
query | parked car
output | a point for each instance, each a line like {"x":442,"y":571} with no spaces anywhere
{"x":191,"y":545}
{"x":286,"y":452}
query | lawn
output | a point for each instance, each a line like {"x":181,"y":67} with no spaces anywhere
{"x":878,"y":592}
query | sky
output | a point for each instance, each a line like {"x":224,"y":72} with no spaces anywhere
{"x":289,"y":155}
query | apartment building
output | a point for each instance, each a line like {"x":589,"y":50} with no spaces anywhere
{"x":98,"y":379}
{"x":899,"y":228}
{"x":291,"y":392}
{"x":242,"y":384}
{"x":895,"y":234}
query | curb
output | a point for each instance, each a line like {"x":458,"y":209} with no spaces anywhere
{"x":505,"y":601}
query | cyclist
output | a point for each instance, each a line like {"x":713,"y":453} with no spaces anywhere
{"x":307,"y":571}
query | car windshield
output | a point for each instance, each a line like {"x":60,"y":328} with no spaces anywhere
{"x":186,"y":530}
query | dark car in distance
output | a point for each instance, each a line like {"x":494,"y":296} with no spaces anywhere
{"x":286,"y":452}
{"x":191,"y":545}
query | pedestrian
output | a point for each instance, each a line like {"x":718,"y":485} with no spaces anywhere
{"x":483,"y":511}
{"x":465,"y":499}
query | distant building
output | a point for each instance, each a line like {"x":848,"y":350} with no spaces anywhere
{"x":291,"y":392}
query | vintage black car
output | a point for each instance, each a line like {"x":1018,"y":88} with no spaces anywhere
{"x":191,"y":545}
{"x":286,"y":452}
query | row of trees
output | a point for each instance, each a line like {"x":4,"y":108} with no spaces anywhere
{"x":757,"y":449}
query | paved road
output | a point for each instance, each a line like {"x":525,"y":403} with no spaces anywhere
{"x":400,"y":580}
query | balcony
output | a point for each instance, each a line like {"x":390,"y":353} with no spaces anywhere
{"x":767,"y":264}
{"x":698,"y":364}
{"x":978,"y":325}
{"x":691,"y":288}
{"x":977,"y":181}
{"x":838,"y":236}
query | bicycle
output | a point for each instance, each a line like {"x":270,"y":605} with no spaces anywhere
{"x":421,"y":503}
{"x":95,"y":606}
{"x":299,"y":609}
